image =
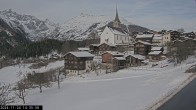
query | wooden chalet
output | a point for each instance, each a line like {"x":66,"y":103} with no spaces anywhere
{"x":118,"y":63}
{"x":134,"y":59}
{"x":157,"y":49}
{"x":100,"y":48}
{"x":94,"y":48}
{"x":108,"y":56}
{"x":142,"y":48}
{"x":76,"y":62}
{"x":144,"y":37}
{"x":155,"y":55}
{"x":107,"y":47}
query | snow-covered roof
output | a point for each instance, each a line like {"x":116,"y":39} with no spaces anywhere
{"x":112,"y":45}
{"x":156,"y":48}
{"x":81,"y":54}
{"x":117,"y":31}
{"x":114,"y":53}
{"x":144,"y":36}
{"x":95,"y":45}
{"x":138,"y":56}
{"x":146,"y":43}
{"x":83,"y":49}
{"x":155,"y":53}
{"x":157,"y":37}
{"x":120,"y":58}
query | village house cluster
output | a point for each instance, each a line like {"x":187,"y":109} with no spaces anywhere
{"x":119,"y":48}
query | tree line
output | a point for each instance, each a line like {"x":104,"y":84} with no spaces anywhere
{"x":42,"y":48}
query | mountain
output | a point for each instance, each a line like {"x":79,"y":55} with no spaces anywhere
{"x":10,"y":38}
{"x":33,"y":28}
{"x":80,"y":27}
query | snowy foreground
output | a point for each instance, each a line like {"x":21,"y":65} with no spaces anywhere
{"x":128,"y":89}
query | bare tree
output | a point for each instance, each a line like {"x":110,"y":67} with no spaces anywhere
{"x":95,"y":68}
{"x":39,"y":80}
{"x":107,"y":69}
{"x":5,"y":97}
{"x":20,"y":91}
{"x":179,"y":51}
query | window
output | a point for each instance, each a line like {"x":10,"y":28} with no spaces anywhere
{"x":81,"y":62}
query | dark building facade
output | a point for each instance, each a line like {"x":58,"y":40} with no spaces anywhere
{"x":142,"y":48}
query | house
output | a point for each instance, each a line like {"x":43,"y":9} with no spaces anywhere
{"x":94,"y":48}
{"x":157,"y":40}
{"x":166,"y":38}
{"x":123,"y":47}
{"x":118,"y":63}
{"x":144,"y":37}
{"x":100,"y":48}
{"x":115,"y":34}
{"x":175,"y":35}
{"x":134,"y":59}
{"x":142,"y":48}
{"x":107,"y":47}
{"x":191,"y":35}
{"x":78,"y":62}
{"x":155,"y":55}
{"x":108,"y":56}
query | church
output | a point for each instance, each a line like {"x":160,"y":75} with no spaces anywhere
{"x":115,"y":34}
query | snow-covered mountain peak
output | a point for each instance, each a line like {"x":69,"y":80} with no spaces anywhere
{"x":81,"y":26}
{"x":34,"y":28}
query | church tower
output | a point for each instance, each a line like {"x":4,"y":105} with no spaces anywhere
{"x":116,"y":22}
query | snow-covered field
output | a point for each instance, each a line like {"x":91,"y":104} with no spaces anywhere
{"x":128,"y":89}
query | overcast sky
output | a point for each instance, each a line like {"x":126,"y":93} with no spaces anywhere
{"x":153,"y":14}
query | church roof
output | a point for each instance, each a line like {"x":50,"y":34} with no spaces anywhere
{"x":117,"y":30}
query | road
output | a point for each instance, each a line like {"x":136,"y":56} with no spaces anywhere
{"x":184,"y":100}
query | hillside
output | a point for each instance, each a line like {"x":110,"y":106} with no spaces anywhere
{"x":10,"y":38}
{"x":33,"y":28}
{"x":80,"y":27}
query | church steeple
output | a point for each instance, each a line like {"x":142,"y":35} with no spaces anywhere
{"x":116,"y":22}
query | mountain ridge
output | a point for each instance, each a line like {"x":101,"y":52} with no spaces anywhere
{"x":76,"y":28}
